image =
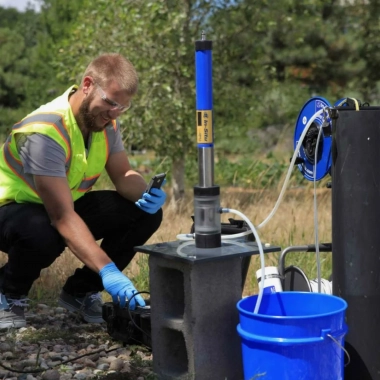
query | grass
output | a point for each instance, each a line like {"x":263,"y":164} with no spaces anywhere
{"x":292,"y":225}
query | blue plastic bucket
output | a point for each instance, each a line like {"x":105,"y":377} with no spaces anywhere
{"x":294,"y":336}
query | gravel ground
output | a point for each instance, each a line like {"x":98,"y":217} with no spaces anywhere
{"x":57,"y":345}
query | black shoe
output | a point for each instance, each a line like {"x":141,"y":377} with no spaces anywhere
{"x":89,"y":306}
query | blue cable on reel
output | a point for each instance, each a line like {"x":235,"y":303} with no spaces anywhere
{"x":306,"y":154}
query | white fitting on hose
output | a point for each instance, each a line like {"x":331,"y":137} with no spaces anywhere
{"x":272,"y":280}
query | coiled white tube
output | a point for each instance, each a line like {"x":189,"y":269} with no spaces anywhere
{"x":224,"y":237}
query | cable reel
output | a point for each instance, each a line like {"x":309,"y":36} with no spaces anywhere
{"x":306,"y":155}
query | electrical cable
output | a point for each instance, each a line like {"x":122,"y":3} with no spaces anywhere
{"x":40,"y":370}
{"x":130,"y":315}
{"x":316,"y":237}
{"x":316,"y":231}
{"x":344,"y":101}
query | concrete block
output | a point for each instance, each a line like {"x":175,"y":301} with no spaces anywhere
{"x":194,"y":319}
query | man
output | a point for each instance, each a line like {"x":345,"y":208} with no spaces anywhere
{"x":48,"y":165}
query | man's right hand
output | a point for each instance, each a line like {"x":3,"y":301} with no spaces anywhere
{"x":119,"y":287}
{"x":151,"y":202}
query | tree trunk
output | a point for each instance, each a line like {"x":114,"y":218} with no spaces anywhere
{"x":178,"y":182}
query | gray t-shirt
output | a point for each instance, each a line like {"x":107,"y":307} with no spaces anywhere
{"x":41,"y":155}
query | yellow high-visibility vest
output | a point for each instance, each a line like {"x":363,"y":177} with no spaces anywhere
{"x":56,"y":120}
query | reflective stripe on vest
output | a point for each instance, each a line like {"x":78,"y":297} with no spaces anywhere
{"x":87,"y":183}
{"x":15,"y":165}
{"x":54,"y":120}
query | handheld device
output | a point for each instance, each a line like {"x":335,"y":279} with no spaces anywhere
{"x":156,"y":182}
{"x":128,"y":326}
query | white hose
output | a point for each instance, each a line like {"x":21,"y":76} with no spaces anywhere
{"x":189,"y":243}
{"x":181,"y":246}
{"x":185,"y":237}
{"x":282,"y":192}
{"x":191,"y":237}
{"x":261,"y":251}
{"x":298,"y":147}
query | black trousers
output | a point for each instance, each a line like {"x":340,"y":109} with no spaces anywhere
{"x":32,"y":244}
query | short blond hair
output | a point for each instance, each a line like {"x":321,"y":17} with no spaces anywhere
{"x":110,"y":67}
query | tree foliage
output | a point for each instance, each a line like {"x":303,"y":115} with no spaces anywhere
{"x":158,"y":37}
{"x":29,"y":43}
{"x":269,"y":57}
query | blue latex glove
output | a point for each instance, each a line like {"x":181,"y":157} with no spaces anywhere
{"x":119,"y":286}
{"x":153,"y":201}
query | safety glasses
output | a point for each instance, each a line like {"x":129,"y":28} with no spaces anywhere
{"x":115,"y":105}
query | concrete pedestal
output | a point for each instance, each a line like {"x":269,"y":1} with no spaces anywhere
{"x":193,"y":296}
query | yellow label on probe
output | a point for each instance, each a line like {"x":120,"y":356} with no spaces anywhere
{"x":204,"y":127}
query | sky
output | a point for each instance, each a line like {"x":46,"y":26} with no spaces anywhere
{"x":18,"y":4}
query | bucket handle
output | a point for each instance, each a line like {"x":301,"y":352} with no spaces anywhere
{"x":290,"y":341}
{"x":345,"y":351}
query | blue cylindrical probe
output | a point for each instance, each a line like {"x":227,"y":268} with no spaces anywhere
{"x":207,"y":223}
